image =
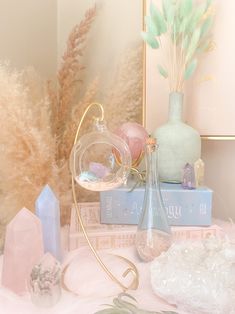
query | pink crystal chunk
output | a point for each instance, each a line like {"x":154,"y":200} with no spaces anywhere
{"x":98,"y":169}
{"x":23,"y":249}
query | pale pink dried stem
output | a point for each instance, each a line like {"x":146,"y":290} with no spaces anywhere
{"x":68,"y":77}
{"x":71,"y":67}
{"x":62,"y":100}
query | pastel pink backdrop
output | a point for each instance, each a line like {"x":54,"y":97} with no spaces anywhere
{"x":209,"y":95}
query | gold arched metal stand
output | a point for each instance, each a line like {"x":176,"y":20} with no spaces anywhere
{"x":131,"y":267}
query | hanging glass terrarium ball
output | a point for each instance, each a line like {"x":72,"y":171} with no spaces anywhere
{"x":93,"y":163}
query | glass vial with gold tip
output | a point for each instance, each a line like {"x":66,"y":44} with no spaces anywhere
{"x":153,"y":233}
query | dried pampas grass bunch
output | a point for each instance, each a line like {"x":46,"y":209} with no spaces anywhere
{"x":39,"y":122}
{"x":68,"y":79}
{"x":66,"y":109}
{"x":34,"y":138}
{"x":27,"y":155}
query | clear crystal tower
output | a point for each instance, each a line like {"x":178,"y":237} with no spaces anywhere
{"x":44,"y":283}
{"x":153,"y":233}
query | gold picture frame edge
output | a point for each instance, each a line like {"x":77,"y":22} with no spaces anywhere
{"x":207,"y":137}
{"x":144,"y":67}
{"x":218,"y":137}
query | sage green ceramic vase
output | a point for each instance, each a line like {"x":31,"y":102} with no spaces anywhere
{"x":178,"y":142}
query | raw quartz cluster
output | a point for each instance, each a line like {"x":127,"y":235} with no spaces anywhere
{"x":197,"y":277}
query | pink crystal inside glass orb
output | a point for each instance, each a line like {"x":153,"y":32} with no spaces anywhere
{"x":135,"y":136}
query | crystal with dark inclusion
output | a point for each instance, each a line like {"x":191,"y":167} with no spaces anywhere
{"x":48,"y":211}
{"x":45,"y":282}
{"x":188,"y":177}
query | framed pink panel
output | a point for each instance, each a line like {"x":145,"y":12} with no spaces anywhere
{"x":209,"y":104}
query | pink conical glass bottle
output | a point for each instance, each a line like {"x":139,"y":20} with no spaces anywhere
{"x":153,"y":233}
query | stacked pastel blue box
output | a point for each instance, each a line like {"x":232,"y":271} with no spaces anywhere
{"x":184,"y":207}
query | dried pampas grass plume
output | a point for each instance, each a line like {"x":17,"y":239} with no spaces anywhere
{"x":27,"y":155}
{"x":63,"y":104}
{"x":68,"y":77}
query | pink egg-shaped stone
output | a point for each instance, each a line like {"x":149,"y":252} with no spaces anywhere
{"x":135,"y":136}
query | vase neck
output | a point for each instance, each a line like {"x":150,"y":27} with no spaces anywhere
{"x":175,"y":106}
{"x":151,"y":155}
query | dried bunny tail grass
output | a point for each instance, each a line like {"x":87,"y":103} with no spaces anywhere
{"x":124,"y":102}
{"x":71,"y":68}
{"x":27,"y":150}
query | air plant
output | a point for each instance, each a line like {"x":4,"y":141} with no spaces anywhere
{"x":121,"y":306}
{"x":182,"y":29}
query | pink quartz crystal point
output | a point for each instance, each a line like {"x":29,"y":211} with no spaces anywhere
{"x":23,"y":249}
{"x":135,"y":136}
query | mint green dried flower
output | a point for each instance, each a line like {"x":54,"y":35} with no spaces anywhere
{"x":121,"y":306}
{"x":182,"y":29}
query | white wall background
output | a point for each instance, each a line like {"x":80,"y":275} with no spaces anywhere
{"x":34,"y":33}
{"x":219,"y":157}
{"x":28,"y":34}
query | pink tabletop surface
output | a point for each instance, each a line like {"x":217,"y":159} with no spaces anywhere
{"x":94,"y":290}
{"x":11,"y":303}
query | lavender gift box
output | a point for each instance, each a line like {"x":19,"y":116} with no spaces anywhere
{"x":184,"y":207}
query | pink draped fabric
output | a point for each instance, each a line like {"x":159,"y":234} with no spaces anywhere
{"x":92,"y":286}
